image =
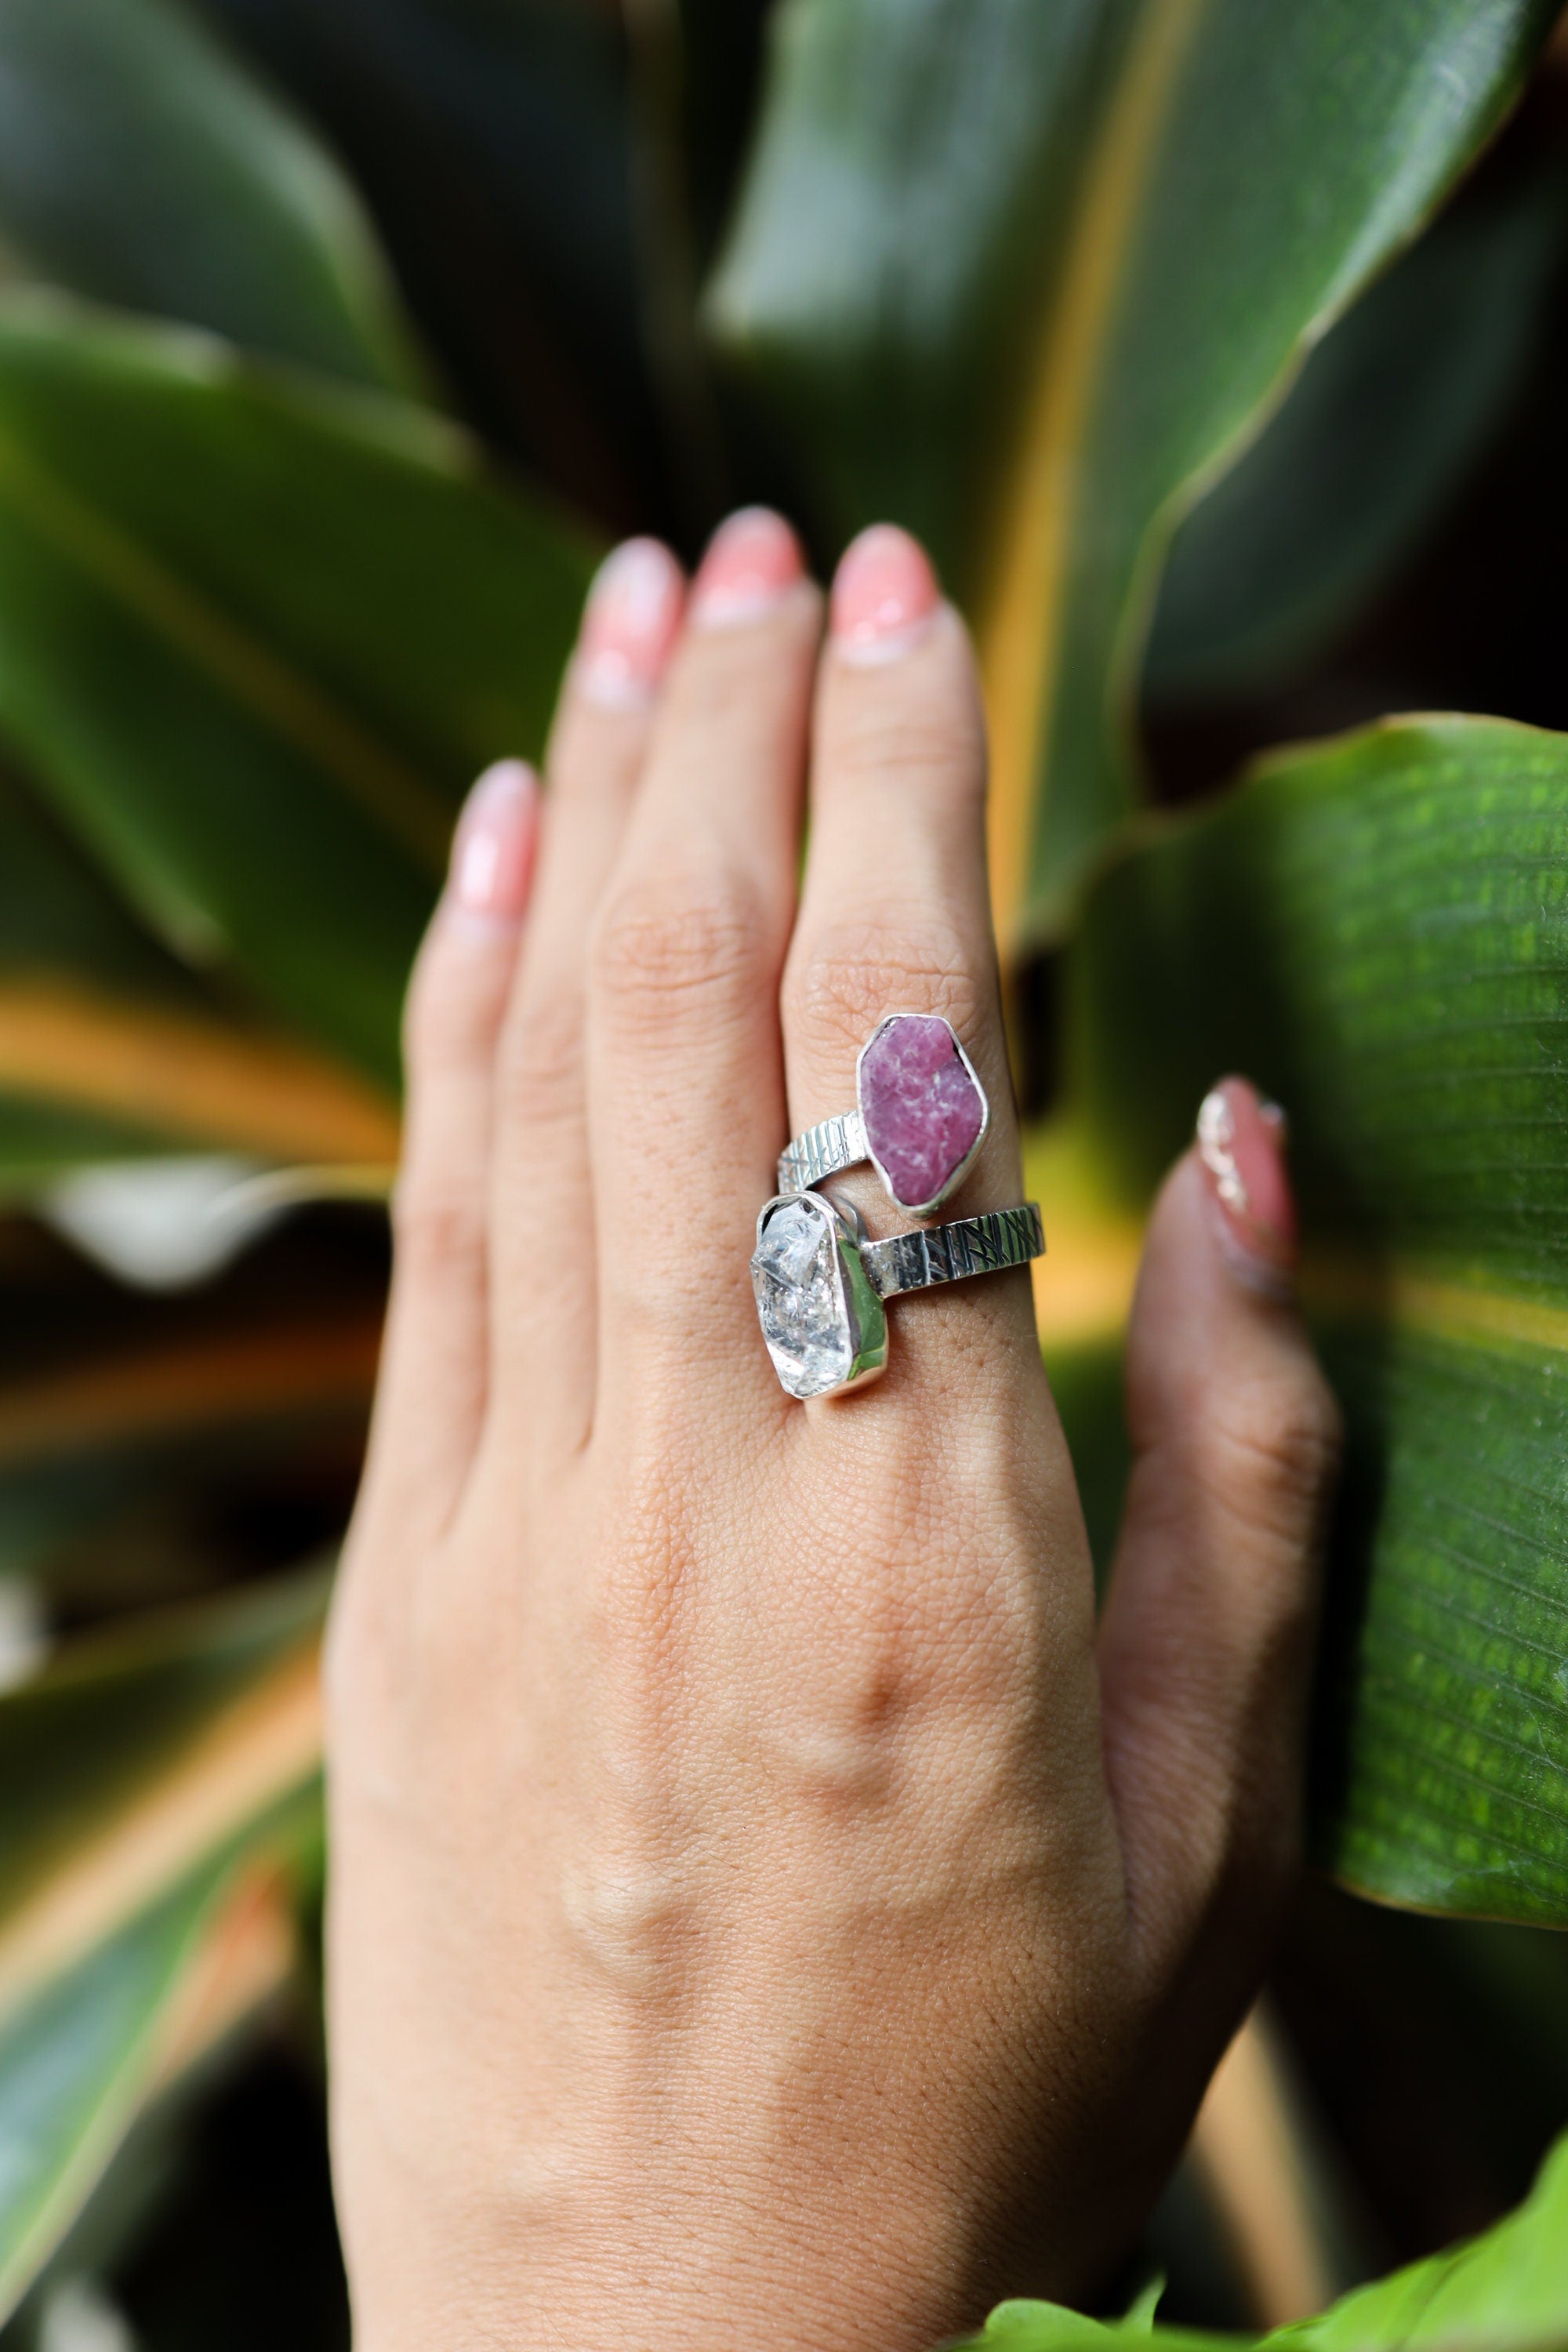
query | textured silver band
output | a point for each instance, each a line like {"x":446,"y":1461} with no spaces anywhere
{"x":826,"y":1149}
{"x":949,"y":1253}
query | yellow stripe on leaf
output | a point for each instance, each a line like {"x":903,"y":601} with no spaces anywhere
{"x":290,"y":705}
{"x":234,"y":1772}
{"x":193,"y":1080}
{"x":1022,"y":618}
{"x":190,"y":1384}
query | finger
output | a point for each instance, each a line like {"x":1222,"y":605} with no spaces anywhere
{"x":895,"y":913}
{"x":542,"y":1205}
{"x":431,"y":1393}
{"x":1206,"y":1642}
{"x":685,"y":1082}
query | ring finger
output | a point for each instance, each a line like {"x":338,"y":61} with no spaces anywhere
{"x":684,"y":1069}
{"x":895,"y":914}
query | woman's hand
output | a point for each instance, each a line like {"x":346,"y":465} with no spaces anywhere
{"x":764,"y":1905}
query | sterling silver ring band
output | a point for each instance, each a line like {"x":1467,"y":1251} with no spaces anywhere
{"x":825,"y":1149}
{"x":819,"y":1283}
{"x":985,"y":1244}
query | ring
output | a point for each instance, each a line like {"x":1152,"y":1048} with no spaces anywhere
{"x":819,"y":1283}
{"x":921,"y":1117}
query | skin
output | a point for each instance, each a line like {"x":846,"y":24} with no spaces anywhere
{"x":766,"y":1904}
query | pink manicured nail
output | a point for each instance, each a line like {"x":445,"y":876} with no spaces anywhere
{"x":884,"y":593}
{"x":492,"y":853}
{"x":753,"y":561}
{"x":1241,"y":1144}
{"x":630,"y":626}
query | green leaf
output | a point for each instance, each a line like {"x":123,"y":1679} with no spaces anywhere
{"x":136,"y":1776}
{"x":493,"y":138}
{"x":139,"y":1753}
{"x":63,"y":931}
{"x":59,"y":915}
{"x":139,"y":1449}
{"x":140,"y":167}
{"x":109,"y":1047}
{"x":1505,"y":2291}
{"x":1376,"y":929}
{"x":78,"y":2061}
{"x":687,"y":123}
{"x":880,"y":261}
{"x":307,"y":622}
{"x":72,"y":2063}
{"x":1142,"y":2312}
{"x":1510,"y":2288}
{"x":1049,"y":268}
{"x":721,"y":61}
{"x":1376,"y":434}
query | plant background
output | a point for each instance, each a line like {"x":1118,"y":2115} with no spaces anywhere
{"x":478,"y":285}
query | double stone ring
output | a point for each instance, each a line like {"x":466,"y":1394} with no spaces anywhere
{"x":818,"y":1279}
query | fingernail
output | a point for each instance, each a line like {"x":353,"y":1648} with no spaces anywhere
{"x":884,"y":593}
{"x":753,"y":561}
{"x":629,"y":625}
{"x":492,"y":852}
{"x":1241,"y":1145}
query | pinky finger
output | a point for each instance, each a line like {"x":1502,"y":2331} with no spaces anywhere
{"x":431,"y":1395}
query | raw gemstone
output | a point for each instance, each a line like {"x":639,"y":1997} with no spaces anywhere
{"x":924,"y":1112}
{"x":800,"y":1296}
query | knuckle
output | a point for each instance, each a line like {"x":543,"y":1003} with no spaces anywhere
{"x":720,"y":682}
{"x":541,"y":1057}
{"x":674,"y":936}
{"x":911,"y":741}
{"x":439,"y":1227}
{"x":455,"y":999}
{"x":1273,"y":1450}
{"x":446,"y":1019}
{"x":630,"y":1910}
{"x":854,"y":972}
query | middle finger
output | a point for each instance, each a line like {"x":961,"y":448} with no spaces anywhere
{"x":685,"y":1076}
{"x":895,"y":913}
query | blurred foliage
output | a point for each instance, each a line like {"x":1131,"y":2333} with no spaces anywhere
{"x":1378,"y":930}
{"x":1227,"y":385}
{"x":137,"y":168}
{"x":1030,"y":276}
{"x":1508,"y":2289}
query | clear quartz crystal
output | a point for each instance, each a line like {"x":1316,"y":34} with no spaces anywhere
{"x":800,"y":1298}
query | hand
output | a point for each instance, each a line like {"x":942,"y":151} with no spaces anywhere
{"x":764,"y":1905}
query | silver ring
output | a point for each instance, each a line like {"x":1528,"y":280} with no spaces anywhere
{"x":921,"y":1117}
{"x":819,"y":1283}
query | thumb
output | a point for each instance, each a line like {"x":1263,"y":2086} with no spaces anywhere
{"x":1206,"y":1643}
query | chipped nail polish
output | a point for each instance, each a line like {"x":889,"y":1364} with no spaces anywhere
{"x":1241,"y":1147}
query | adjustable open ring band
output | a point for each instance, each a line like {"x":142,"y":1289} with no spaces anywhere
{"x":820,"y":1283}
{"x":921,"y":1117}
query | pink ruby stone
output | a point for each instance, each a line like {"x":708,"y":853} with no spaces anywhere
{"x":923,"y":1110}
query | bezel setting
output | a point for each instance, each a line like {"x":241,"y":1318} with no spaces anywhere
{"x":794,"y":1336}
{"x":956,"y":1176}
